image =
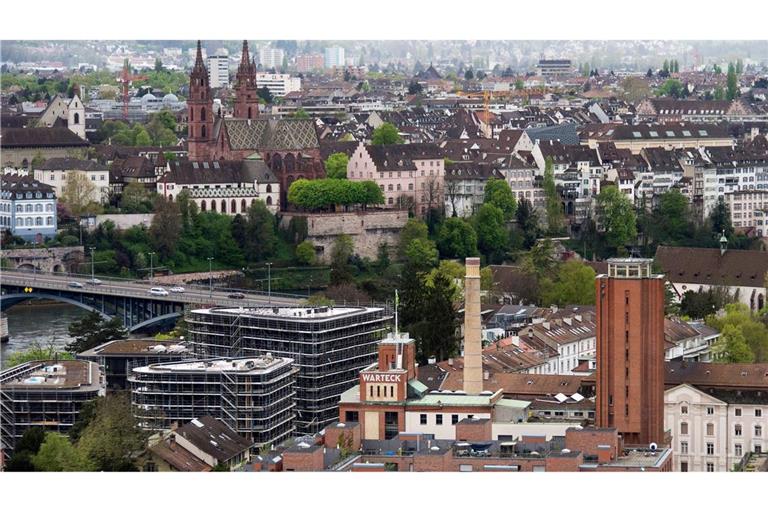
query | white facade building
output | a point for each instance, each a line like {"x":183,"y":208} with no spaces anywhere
{"x":278,"y":84}
{"x":57,"y":171}
{"x":271,"y":58}
{"x":218,"y":70}
{"x":334,"y":57}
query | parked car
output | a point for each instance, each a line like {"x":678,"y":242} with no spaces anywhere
{"x":162,"y":292}
{"x":236,"y":295}
{"x":178,"y":289}
{"x":94,"y":281}
{"x":75,"y":284}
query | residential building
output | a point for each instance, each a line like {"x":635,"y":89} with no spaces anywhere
{"x":667,"y":136}
{"x":409,"y":175}
{"x":47,"y":394}
{"x":630,"y":351}
{"x":118,"y":357}
{"x":334,"y":57}
{"x":278,"y":84}
{"x":309,"y":62}
{"x":56,"y":171}
{"x":218,"y":70}
{"x":330,"y":345}
{"x":554,"y":67}
{"x":254,"y":396}
{"x":665,"y":110}
{"x":27,"y":207}
{"x":748,"y":209}
{"x":270,"y":58}
{"x":201,"y":445}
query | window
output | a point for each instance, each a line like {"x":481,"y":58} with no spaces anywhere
{"x":710,"y":411}
{"x":710,"y":429}
{"x":758,"y":412}
{"x":683,"y":467}
{"x":737,"y":430}
{"x":684,"y":429}
{"x":737,"y":412}
{"x":758,"y":431}
{"x":438,"y":419}
{"x":684,"y":409}
{"x":710,"y":448}
{"x":710,"y":467}
{"x":684,"y":447}
{"x":454,"y":419}
{"x":738,"y":451}
{"x":758,"y":448}
{"x":422,"y":419}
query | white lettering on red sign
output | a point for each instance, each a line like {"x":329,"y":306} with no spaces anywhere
{"x":382,"y":377}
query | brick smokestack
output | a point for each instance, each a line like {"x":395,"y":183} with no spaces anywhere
{"x":473,"y":359}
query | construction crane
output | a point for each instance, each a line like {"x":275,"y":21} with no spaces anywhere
{"x":126,"y":78}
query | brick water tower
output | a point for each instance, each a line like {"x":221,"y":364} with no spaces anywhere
{"x":630,"y":351}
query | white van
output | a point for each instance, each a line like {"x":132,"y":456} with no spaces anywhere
{"x":159,"y":291}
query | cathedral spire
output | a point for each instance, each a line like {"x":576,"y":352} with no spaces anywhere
{"x":199,"y":67}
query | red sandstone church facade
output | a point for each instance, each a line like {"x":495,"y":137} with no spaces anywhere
{"x":290,"y":147}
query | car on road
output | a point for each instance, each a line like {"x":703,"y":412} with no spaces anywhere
{"x":178,"y":289}
{"x":236,"y":295}
{"x":94,"y":281}
{"x":75,"y":284}
{"x":161,"y":292}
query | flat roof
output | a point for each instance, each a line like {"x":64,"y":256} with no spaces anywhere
{"x":641,"y":457}
{"x":289,"y":312}
{"x":138,"y":347}
{"x":455,"y":399}
{"x":52,"y":375}
{"x":252,"y":365}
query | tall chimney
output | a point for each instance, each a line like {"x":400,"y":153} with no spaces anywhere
{"x":473,"y":359}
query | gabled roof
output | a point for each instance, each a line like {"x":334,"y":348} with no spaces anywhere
{"x":214,"y":438}
{"x":67,"y":164}
{"x":710,"y":267}
{"x":272,"y":134}
{"x":40,"y":137}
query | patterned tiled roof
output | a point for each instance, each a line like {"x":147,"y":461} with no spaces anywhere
{"x":271,"y":134}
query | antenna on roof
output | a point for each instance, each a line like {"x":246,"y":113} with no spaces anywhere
{"x":397,"y":303}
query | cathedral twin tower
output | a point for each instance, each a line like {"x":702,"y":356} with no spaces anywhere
{"x":200,"y":103}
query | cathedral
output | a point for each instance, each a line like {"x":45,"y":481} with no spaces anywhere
{"x":289,"y":147}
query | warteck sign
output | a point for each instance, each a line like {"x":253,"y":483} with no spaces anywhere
{"x":382,"y":377}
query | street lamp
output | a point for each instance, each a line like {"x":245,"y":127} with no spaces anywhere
{"x":210,"y":277}
{"x":151,"y":266}
{"x":269,"y":282}
{"x":93,"y":277}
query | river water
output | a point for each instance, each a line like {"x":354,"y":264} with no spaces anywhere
{"x":42,"y":323}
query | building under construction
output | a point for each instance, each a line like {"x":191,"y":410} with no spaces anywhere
{"x":330,"y":345}
{"x":254,"y":396}
{"x":47,"y":394}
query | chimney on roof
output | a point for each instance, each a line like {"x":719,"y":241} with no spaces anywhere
{"x":473,"y":361}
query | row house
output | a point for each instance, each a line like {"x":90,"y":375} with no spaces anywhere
{"x":667,"y":136}
{"x":665,"y":110}
{"x":570,"y":339}
{"x":55,"y":171}
{"x":409,"y":175}
{"x":748,"y":209}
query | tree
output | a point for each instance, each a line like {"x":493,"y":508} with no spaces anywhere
{"x":492,"y":237}
{"x":732,"y":83}
{"x":673,"y":88}
{"x":671,"y":217}
{"x":265,"y":94}
{"x":519,"y":85}
{"x":635,"y":88}
{"x":553,"y":205}
{"x":421,"y":254}
{"x":329,"y":192}
{"x":305,"y":253}
{"x":25,"y":449}
{"x":159,"y":65}
{"x":700,"y":304}
{"x":720,"y":219}
{"x":36,"y":352}
{"x":261,"y":239}
{"x":142,"y":137}
{"x":665,"y":67}
{"x":165,"y":227}
{"x":57,"y":454}
{"x":386,"y":134}
{"x":457,"y":239}
{"x":300,"y":114}
{"x":719,"y":93}
{"x":342,"y":251}
{"x":649,"y":73}
{"x":528,"y":223}
{"x":93,"y":330}
{"x":574,"y":283}
{"x":135,"y":198}
{"x":112,"y":436}
{"x":468,"y":75}
{"x":732,"y":347}
{"x":617,"y":216}
{"x":336,"y":166}
{"x":413,"y":229}
{"x":78,"y":192}
{"x":415,"y":87}
{"x":498,"y":193}
{"x":436,"y":333}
